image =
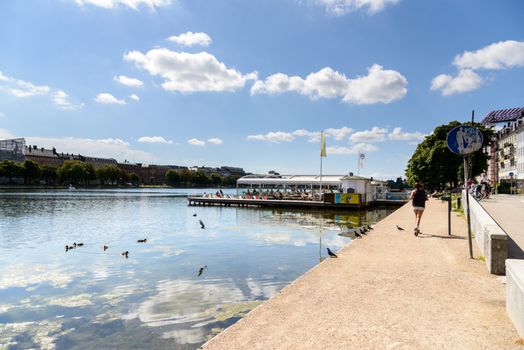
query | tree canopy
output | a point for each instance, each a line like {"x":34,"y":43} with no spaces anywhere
{"x":435,"y":166}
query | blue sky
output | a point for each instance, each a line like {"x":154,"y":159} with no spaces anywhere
{"x":251,"y":83}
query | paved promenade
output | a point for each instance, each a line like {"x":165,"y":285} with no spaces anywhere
{"x":508,"y":211}
{"x":389,"y":290}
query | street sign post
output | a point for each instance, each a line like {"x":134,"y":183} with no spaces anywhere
{"x":465,"y":140}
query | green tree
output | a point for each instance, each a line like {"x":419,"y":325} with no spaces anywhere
{"x":230,"y":180}
{"x":75,"y":171}
{"x":134,"y":178}
{"x":11,"y":169}
{"x":31,"y":171}
{"x":216,"y":179}
{"x":108,"y":174}
{"x":434,"y":165}
{"x":48,"y":173}
{"x":173,"y":177}
{"x":201,"y":179}
{"x":124,"y":176}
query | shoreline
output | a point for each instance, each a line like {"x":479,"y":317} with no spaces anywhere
{"x":388,"y":290}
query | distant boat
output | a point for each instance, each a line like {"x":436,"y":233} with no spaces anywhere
{"x":71,"y":187}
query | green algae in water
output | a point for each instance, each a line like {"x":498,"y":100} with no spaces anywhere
{"x":228,"y":311}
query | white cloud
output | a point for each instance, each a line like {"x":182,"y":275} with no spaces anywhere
{"x":398,"y":135}
{"x":6,"y":134}
{"x":154,"y":139}
{"x":190,"y":39}
{"x":276,"y":137}
{"x":313,"y":136}
{"x":466,"y":80}
{"x":107,"y":98}
{"x":215,"y":141}
{"x":107,"y":148}
{"x":134,"y":4}
{"x":61,"y":100}
{"x":134,"y":97}
{"x":196,"y":142}
{"x":21,"y":88}
{"x":132,"y":82}
{"x":379,"y":86}
{"x":376,"y":134}
{"x":340,"y":133}
{"x":342,"y":7}
{"x":355,"y":149}
{"x":187,"y":72}
{"x":501,"y":55}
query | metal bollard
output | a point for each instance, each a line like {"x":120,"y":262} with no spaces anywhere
{"x":449,"y":216}
{"x":459,"y":202}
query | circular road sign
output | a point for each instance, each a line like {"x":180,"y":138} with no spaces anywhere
{"x":464,"y":139}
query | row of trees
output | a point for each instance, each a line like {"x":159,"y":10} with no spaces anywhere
{"x":400,"y":184}
{"x":78,"y":172}
{"x":186,"y":178}
{"x":435,"y":166}
{"x":71,"y":171}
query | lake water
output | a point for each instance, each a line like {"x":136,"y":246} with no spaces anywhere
{"x":88,"y":298}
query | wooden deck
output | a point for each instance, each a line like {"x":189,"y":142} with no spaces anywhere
{"x":282,"y":203}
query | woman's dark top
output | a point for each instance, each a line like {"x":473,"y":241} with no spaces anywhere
{"x":419,"y":198}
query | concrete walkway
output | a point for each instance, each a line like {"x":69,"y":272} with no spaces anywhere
{"x":389,"y":290}
{"x":508,"y":211}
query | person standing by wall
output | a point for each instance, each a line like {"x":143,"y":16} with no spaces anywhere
{"x":418,"y":200}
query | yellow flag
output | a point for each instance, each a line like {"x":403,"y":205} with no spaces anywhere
{"x":323,"y":145}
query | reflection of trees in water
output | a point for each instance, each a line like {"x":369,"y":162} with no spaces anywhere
{"x":349,"y":219}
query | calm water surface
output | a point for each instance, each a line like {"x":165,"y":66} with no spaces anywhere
{"x":88,"y":298}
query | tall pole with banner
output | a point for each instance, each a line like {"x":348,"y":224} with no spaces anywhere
{"x":465,"y":140}
{"x":361,"y":157}
{"x":322,"y":155}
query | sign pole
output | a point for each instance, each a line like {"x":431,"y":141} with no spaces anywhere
{"x":466,"y":173}
{"x":465,"y":140}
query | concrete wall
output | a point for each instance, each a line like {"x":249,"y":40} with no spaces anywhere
{"x":515,"y":293}
{"x":491,"y":239}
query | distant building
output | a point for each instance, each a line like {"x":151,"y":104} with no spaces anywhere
{"x":12,"y":150}
{"x":222,"y":171}
{"x":43,"y":156}
{"x":231,"y":171}
{"x":17,"y":150}
{"x":506,"y":149}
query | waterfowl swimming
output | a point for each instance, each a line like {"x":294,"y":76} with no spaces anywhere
{"x":331,"y":254}
{"x":142,"y":240}
{"x":126,"y":253}
{"x":105,"y":247}
{"x":201,"y":270}
{"x":79,"y":244}
{"x":68,"y":247}
{"x":194,"y":214}
{"x":202,"y":224}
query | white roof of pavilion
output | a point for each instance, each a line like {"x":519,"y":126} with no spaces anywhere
{"x":334,"y":180}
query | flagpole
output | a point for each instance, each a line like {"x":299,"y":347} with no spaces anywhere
{"x":358,"y":164}
{"x":322,"y":154}
{"x":320,"y":173}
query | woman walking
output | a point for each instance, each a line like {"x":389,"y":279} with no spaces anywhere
{"x":418,"y":198}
